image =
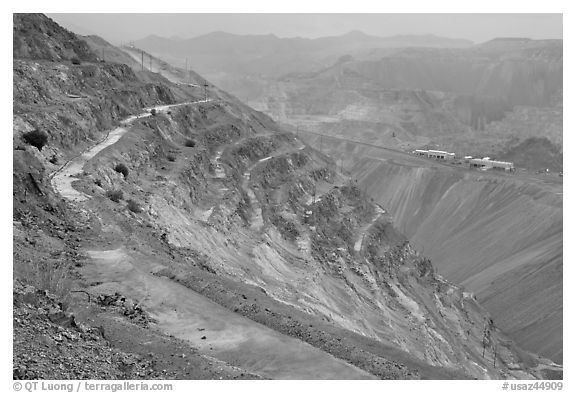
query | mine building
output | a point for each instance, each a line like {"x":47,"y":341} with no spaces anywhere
{"x":487,"y":163}
{"x":436,"y":154}
{"x":441,"y":155}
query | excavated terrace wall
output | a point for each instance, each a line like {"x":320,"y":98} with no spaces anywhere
{"x":499,"y":236}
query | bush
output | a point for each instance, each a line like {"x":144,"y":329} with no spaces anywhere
{"x":36,"y":138}
{"x":123,"y":169}
{"x":171,"y":157}
{"x":115,"y":195}
{"x":134,"y":206}
{"x":52,"y":276}
{"x":75,"y":61}
{"x":98,"y":182}
{"x":189,"y":143}
{"x":153,"y":112}
{"x":54,"y":160}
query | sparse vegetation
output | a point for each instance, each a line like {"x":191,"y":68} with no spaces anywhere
{"x":115,"y":195}
{"x":134,"y":206}
{"x":123,"y":169}
{"x":286,"y":228}
{"x":36,"y":138}
{"x":189,"y":143}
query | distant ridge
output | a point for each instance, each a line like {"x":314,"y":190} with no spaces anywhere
{"x":269,"y":55}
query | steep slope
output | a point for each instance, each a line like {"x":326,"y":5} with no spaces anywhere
{"x":203,"y":221}
{"x":501,"y":235}
{"x":509,"y":234}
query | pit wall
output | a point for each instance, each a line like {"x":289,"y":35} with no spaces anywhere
{"x":499,"y":235}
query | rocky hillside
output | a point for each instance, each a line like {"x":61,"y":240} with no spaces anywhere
{"x":36,"y":36}
{"x":535,"y":153}
{"x":200,"y":234}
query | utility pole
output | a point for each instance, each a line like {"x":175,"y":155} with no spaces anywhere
{"x":150,"y":63}
{"x":103,"y":59}
{"x":495,"y":346}
{"x":142,"y":60}
{"x":206,"y":91}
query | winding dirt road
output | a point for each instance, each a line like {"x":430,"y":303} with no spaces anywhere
{"x":62,"y":180}
{"x":364,"y":230}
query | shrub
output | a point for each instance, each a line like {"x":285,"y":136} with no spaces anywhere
{"x":75,"y":61}
{"x":123,"y":169}
{"x":36,"y":138}
{"x":52,"y":276}
{"x":153,"y":112}
{"x":98,"y":182}
{"x":134,"y":206}
{"x":115,"y":195}
{"x":189,"y":143}
{"x":54,"y":160}
{"x":171,"y":157}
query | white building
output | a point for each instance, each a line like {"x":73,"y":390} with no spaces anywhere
{"x":436,"y":154}
{"x":487,"y":163}
{"x":441,"y":155}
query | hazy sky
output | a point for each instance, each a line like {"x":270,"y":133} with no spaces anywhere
{"x":474,"y":27}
